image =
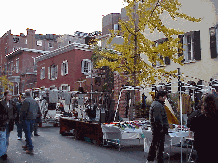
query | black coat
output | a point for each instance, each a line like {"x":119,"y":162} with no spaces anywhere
{"x":11,"y":112}
{"x":206,"y":135}
{"x":3,"y":116}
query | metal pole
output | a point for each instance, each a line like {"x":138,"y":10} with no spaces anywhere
{"x":180,"y":93}
{"x":91,"y":84}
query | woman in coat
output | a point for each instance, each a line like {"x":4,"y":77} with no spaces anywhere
{"x":204,"y":127}
{"x":10,"y":108}
{"x":3,"y":123}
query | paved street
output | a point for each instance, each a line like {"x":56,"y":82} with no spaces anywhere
{"x":51,"y":147}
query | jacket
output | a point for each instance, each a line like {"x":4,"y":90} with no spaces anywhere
{"x":3,"y":117}
{"x":158,"y":117}
{"x":29,"y":109}
{"x":18,"y":107}
{"x":205,"y":135}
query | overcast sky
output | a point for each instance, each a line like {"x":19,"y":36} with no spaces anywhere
{"x":55,"y":17}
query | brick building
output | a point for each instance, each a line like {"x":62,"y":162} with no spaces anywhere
{"x":64,"y":67}
{"x":20,"y":68}
{"x":10,"y":42}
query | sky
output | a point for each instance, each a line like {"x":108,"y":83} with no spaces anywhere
{"x":55,"y":17}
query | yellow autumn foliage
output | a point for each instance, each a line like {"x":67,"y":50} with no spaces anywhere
{"x":144,"y":14}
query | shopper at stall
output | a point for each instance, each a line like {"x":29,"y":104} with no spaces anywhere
{"x":3,"y":125}
{"x":10,"y":108}
{"x":204,"y":128}
{"x":28,"y":115}
{"x":18,"y":120}
{"x":159,"y":125}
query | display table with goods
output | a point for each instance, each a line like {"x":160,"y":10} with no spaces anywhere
{"x":81,"y":129}
{"x":138,"y":133}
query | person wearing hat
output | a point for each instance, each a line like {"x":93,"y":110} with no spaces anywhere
{"x":159,"y":126}
{"x":17,"y":120}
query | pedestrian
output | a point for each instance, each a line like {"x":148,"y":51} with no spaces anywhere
{"x":3,"y":125}
{"x":28,"y":115}
{"x":205,"y":133}
{"x":10,"y":108}
{"x":159,"y":125}
{"x":37,"y":122}
{"x":18,"y":120}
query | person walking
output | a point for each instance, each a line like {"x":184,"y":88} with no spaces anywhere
{"x":159,"y":126}
{"x":37,"y":122}
{"x":18,"y":120}
{"x":3,"y":125}
{"x":28,"y":115}
{"x":204,"y":128}
{"x":10,"y":108}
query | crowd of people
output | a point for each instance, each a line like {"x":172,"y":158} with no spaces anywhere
{"x":25,"y":113}
{"x":203,"y":122}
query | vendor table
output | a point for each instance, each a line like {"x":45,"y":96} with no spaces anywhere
{"x":82,"y":129}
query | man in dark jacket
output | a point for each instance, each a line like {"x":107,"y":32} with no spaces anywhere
{"x":28,"y":114}
{"x":159,"y":126}
{"x":3,"y":124}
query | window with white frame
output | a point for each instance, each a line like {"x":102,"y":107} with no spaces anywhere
{"x":86,"y":66}
{"x":42,"y":73}
{"x":26,"y":41}
{"x":17,"y":65}
{"x":12,"y":66}
{"x":9,"y":68}
{"x":191,"y":46}
{"x":39,"y":43}
{"x":64,"y":68}
{"x":34,"y":65}
{"x":65,"y":87}
{"x":53,"y":72}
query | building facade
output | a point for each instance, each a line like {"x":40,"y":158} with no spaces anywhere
{"x":20,"y":68}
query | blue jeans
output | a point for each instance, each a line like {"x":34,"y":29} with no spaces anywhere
{"x":3,"y":146}
{"x":19,"y":129}
{"x":28,"y":129}
{"x":7,"y":134}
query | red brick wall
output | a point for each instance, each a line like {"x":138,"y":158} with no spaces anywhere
{"x":74,"y":59}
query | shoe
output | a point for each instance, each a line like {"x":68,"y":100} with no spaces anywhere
{"x":24,"y":146}
{"x":4,"y":157}
{"x":29,"y":152}
{"x":19,"y":138}
{"x":150,"y":161}
{"x":36,"y":135}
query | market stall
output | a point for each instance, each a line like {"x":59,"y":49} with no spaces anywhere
{"x":81,"y":129}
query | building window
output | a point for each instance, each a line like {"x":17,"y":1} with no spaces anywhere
{"x":42,"y":73}
{"x":191,"y":46}
{"x":86,"y":66}
{"x":9,"y":68}
{"x":166,"y":60}
{"x":213,"y":42}
{"x":65,"y":87}
{"x":12,"y":67}
{"x":50,"y":45}
{"x":69,"y":42}
{"x":53,"y":72}
{"x":64,"y":68}
{"x":39,"y":43}
{"x":17,"y":65}
{"x":26,"y":41}
{"x":16,"y":39}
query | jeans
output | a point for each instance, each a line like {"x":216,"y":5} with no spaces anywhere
{"x":3,"y":146}
{"x":28,"y":129}
{"x":35,"y":128}
{"x":157,"y":144}
{"x":7,"y":134}
{"x":19,"y":129}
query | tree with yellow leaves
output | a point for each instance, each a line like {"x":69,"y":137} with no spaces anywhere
{"x":5,"y":83}
{"x":141,"y":15}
